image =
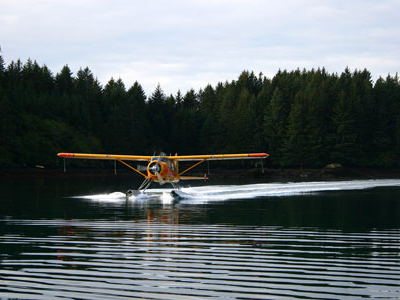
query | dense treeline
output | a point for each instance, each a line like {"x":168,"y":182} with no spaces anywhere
{"x":302,"y":118}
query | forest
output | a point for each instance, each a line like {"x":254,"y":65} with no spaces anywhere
{"x":303,"y":118}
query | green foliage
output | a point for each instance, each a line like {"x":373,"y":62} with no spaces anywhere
{"x":296,"y":147}
{"x":302,"y":118}
{"x":275,"y":126}
{"x":64,"y":81}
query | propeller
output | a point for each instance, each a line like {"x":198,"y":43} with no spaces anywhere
{"x":154,"y":168}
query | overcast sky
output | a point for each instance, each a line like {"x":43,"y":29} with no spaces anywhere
{"x":184,"y":44}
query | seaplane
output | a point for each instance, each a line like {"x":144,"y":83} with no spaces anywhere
{"x":163,"y":169}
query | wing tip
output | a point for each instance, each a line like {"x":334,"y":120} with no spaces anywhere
{"x":62,"y":154}
{"x":260,"y":155}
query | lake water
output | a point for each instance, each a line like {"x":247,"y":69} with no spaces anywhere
{"x":82,"y":239}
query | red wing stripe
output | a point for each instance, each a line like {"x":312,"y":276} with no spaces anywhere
{"x":65,"y":154}
{"x":258,"y":155}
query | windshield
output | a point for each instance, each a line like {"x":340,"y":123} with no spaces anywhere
{"x":159,"y":158}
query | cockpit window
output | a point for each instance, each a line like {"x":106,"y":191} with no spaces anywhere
{"x":159,"y":158}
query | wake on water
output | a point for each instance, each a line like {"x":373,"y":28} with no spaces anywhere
{"x":203,"y":194}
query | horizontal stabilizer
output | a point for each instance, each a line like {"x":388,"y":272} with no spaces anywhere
{"x":193,"y":178}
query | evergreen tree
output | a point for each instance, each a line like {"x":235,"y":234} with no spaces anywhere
{"x":209,"y":135}
{"x":259,"y":107}
{"x":241,"y":130}
{"x":90,"y":110}
{"x":250,"y":82}
{"x":365,"y":114}
{"x":116,"y":131}
{"x":346,"y":148}
{"x":386,"y":132}
{"x":64,"y":81}
{"x":296,"y":140}
{"x":13,"y":84}
{"x":275,"y":126}
{"x":158,"y":113}
{"x":226,"y":108}
{"x":138,"y":125}
{"x":318,"y":123}
{"x":187,"y":124}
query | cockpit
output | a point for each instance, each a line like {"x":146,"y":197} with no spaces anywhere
{"x":159,"y":158}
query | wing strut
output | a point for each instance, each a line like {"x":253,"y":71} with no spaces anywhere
{"x":196,"y":164}
{"x":129,"y":166}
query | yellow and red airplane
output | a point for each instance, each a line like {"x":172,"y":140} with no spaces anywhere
{"x":163,"y":169}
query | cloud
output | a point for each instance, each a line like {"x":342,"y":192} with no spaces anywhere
{"x":187,"y":44}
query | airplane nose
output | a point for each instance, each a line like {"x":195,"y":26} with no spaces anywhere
{"x":154,"y":168}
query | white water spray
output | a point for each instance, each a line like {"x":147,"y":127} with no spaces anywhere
{"x":209,"y":193}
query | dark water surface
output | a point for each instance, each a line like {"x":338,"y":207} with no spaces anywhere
{"x":75,"y":239}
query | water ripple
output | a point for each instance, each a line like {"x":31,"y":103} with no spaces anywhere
{"x":98,"y":259}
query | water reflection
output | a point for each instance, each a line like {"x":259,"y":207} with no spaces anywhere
{"x":329,"y":245}
{"x":91,"y":259}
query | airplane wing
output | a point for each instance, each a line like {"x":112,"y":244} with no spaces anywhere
{"x":176,"y":157}
{"x":105,"y":156}
{"x":219,"y":156}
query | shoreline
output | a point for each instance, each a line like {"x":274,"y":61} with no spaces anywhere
{"x":269,"y":173}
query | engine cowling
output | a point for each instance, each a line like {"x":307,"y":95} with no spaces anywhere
{"x":154,"y":168}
